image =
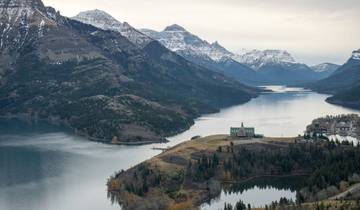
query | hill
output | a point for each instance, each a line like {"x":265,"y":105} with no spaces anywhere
{"x":191,"y":173}
{"x":98,"y":82}
{"x":256,"y":67}
{"x":343,"y":83}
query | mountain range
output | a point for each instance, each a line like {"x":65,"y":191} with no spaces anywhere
{"x":344,"y":83}
{"x":327,"y":69}
{"x":101,"y":19}
{"x":109,"y":85}
{"x":111,"y":82}
{"x":253,"y":67}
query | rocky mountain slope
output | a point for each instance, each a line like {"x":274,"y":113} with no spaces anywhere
{"x":178,"y":39}
{"x":257,"y":58}
{"x":344,"y":83}
{"x":344,"y":77}
{"x":323,"y":67}
{"x":253,"y":67}
{"x":210,"y":55}
{"x":103,"y":20}
{"x":279,"y":67}
{"x":349,"y":97}
{"x":99,"y":83}
{"x":327,"y":69}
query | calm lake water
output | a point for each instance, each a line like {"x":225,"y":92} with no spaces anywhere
{"x":46,"y":168}
{"x":257,"y":193}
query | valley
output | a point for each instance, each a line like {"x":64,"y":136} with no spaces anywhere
{"x":108,"y":86}
{"x":52,"y":156}
{"x":97,"y":113}
{"x":343,"y":84}
{"x":99,"y":83}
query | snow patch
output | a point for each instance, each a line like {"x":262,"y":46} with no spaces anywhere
{"x":177,"y":39}
{"x":103,"y":20}
{"x":41,"y":28}
{"x":257,"y":58}
{"x":324,"y":67}
{"x":21,"y":15}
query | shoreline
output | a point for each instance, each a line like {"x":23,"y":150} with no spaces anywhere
{"x":194,"y":172}
{"x":174,"y":160}
{"x":56,"y":121}
{"x":265,"y":176}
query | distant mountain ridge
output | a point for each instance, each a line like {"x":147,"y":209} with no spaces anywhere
{"x":178,"y":39}
{"x":201,"y":52}
{"x":103,"y":20}
{"x":212,"y":56}
{"x":326,"y":69}
{"x":253,"y":67}
{"x":344,"y":83}
{"x":257,"y":58}
{"x":345,"y":76}
{"x":98,"y":82}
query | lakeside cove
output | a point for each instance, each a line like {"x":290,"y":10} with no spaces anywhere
{"x":195,"y":172}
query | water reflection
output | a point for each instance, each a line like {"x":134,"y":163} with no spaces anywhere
{"x":43,"y":169}
{"x":23,"y":165}
{"x":257,"y":192}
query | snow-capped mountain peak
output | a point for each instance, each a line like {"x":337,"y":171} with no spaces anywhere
{"x":31,"y":16}
{"x":175,"y":28}
{"x":258,"y":58}
{"x":218,"y":47}
{"x":178,"y":39}
{"x":22,"y":3}
{"x":98,"y":14}
{"x":105,"y":21}
{"x":22,"y":11}
{"x":325,"y":67}
{"x":356,"y":55}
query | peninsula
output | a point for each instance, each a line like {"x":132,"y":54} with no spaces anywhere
{"x":195,"y":171}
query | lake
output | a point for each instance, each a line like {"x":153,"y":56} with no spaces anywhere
{"x":258,"y":192}
{"x":47,"y":168}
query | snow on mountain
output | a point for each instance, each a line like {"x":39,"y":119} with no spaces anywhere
{"x":21,"y":19}
{"x":103,"y":20}
{"x":179,"y":40}
{"x":21,"y":4}
{"x":356,"y":55}
{"x":257,"y":58}
{"x":325,"y":67}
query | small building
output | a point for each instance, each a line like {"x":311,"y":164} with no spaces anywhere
{"x":242,"y":132}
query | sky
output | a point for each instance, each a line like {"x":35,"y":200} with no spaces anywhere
{"x":313,"y":31}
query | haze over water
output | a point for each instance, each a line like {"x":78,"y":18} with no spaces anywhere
{"x":45,"y":168}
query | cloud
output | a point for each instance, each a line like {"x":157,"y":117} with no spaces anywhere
{"x":313,"y":30}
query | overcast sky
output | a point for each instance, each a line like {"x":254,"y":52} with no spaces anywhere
{"x":313,"y":31}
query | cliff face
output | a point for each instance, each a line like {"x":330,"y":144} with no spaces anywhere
{"x":99,"y":83}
